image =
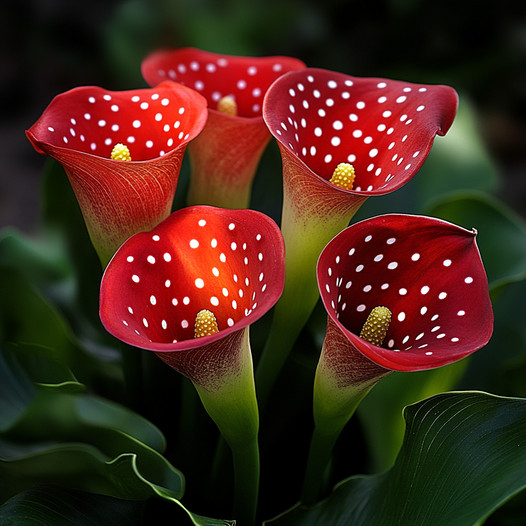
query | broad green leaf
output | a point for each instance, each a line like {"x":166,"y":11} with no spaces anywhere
{"x":47,"y":505}
{"x":58,"y":435}
{"x":381,"y":409}
{"x":464,"y":454}
{"x":28,"y":318}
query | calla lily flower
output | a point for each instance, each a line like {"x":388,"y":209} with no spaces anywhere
{"x":428,"y":275}
{"x":188,"y":290}
{"x":122,"y":152}
{"x":342,"y":140}
{"x":226,"y":155}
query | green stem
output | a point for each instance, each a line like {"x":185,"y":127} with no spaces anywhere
{"x":288,"y":321}
{"x":246,"y":482}
{"x":321,"y":446}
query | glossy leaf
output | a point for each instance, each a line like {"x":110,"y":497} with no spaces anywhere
{"x":46,"y":505}
{"x":464,"y":454}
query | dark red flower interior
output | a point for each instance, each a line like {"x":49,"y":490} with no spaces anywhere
{"x":215,"y":75}
{"x":384,"y":128}
{"x":150,"y":122}
{"x":426,"y":271}
{"x":227,"y":261}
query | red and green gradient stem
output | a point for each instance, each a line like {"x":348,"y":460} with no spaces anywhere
{"x":314,"y":211}
{"x":337,"y":393}
{"x":230,"y":400}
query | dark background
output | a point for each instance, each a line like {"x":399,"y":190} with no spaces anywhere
{"x":50,"y":46}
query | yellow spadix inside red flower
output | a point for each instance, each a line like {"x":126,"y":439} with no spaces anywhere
{"x":227,"y":105}
{"x":121,"y":152}
{"x":376,"y":326}
{"x":205,"y":324}
{"x":343,"y":176}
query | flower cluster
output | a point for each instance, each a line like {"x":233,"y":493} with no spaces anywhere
{"x":401,"y":292}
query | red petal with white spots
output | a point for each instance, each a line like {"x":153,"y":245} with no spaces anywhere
{"x":428,"y":272}
{"x":384,"y":128}
{"x":230,"y":262}
{"x":216,"y":75}
{"x":119,"y":198}
{"x":226,"y":155}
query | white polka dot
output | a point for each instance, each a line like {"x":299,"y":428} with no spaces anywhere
{"x":167,"y":257}
{"x":442,"y":295}
{"x":361,"y":308}
{"x":135,"y":278}
{"x":461,"y":313}
{"x":184,"y":324}
{"x":424,"y":289}
{"x":392,"y":265}
{"x":415,"y":256}
{"x":150,"y":260}
{"x":468,"y":280}
{"x":401,"y":317}
{"x":423,"y":310}
{"x":153,"y":300}
{"x":129,"y":259}
{"x":186,"y":300}
{"x":446,"y":262}
{"x":214,"y":301}
{"x":199,"y":283}
{"x":402,"y":292}
{"x":194,"y":243}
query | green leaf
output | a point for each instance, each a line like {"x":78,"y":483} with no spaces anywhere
{"x":46,"y":506}
{"x":464,"y":454}
{"x":501,"y":233}
{"x":28,"y":318}
{"x":55,"y":434}
{"x":381,"y":409}
{"x":16,"y":391}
